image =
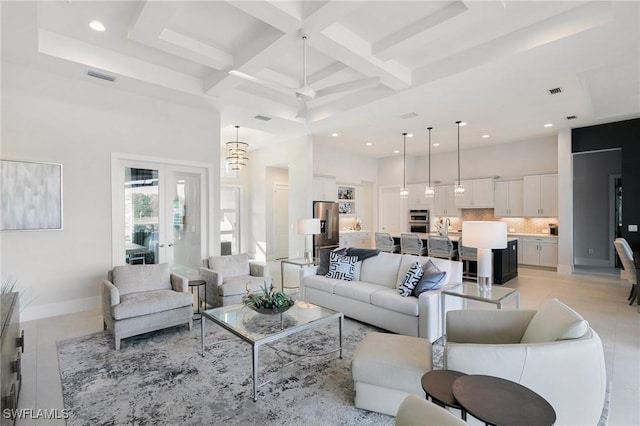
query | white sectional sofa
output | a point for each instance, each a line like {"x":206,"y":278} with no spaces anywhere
{"x":373,"y":297}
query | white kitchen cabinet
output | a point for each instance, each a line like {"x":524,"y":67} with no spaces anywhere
{"x":359,"y":239}
{"x":325,"y":189}
{"x":539,"y":251}
{"x":509,"y":199}
{"x":444,"y":202}
{"x":478,"y":194}
{"x":417,"y":200}
{"x":541,"y":195}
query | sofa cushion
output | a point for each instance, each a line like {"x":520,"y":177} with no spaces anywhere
{"x":356,"y":290}
{"x":241,"y":284}
{"x":321,"y":283}
{"x":555,"y":321}
{"x":341,"y":267}
{"x":230,"y":266}
{"x":135,"y":278}
{"x":410,"y":280}
{"x":390,"y":299}
{"x":323,"y":259}
{"x":431,"y":279}
{"x":381,"y":269}
{"x":149,"y":302}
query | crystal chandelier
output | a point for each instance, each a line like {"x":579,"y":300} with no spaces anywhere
{"x":237,"y":153}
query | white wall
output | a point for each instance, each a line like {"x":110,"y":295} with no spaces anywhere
{"x":504,"y":160}
{"x":345,"y":166}
{"x":296,"y":155}
{"x":79,"y":123}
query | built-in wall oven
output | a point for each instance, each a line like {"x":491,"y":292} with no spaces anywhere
{"x":419,"y":221}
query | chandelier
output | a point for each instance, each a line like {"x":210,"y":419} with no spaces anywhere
{"x":237,"y":153}
{"x":404,"y":191}
{"x":429,"y":191}
{"x":458,"y":189}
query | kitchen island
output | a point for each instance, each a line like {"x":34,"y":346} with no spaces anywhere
{"x":505,"y":261}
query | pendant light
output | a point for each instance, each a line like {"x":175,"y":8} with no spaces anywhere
{"x":404,"y":191}
{"x":458,"y":189}
{"x":237,"y":153}
{"x":429,"y":191}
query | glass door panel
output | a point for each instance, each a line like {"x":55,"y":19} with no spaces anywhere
{"x":141,"y":215}
{"x":229,"y":226}
{"x":184,"y":191}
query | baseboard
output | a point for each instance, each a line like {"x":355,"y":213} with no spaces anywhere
{"x":30,"y":313}
{"x":585,"y":261}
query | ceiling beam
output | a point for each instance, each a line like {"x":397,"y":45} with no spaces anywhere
{"x":270,"y":13}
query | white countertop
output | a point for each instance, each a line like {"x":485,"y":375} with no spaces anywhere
{"x":351,"y":231}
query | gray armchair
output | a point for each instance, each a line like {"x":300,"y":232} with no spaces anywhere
{"x":137,"y":299}
{"x":229,"y":278}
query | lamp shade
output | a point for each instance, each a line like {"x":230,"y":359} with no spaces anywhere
{"x":484,"y":234}
{"x":308,"y":226}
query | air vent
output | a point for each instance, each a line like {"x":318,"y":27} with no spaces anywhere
{"x":408,"y":115}
{"x":571,"y":117}
{"x":262,"y":117}
{"x":555,"y":91}
{"x":101,"y":76}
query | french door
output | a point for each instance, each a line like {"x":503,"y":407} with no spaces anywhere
{"x":159,"y":214}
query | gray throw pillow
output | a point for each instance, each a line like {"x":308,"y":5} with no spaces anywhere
{"x":323,"y":259}
{"x":432,"y":278}
{"x":362,"y":253}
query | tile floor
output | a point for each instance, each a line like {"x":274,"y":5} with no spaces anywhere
{"x":601,"y":299}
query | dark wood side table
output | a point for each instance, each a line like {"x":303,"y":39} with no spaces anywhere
{"x":497,"y":401}
{"x":437,"y":384}
{"x":197,"y":284}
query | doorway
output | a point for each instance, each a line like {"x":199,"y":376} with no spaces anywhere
{"x":390,"y":210}
{"x":158,"y":214}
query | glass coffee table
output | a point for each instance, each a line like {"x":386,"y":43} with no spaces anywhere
{"x":496,"y":295}
{"x":261,"y":329}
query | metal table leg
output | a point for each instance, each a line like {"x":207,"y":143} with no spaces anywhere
{"x":202,"y":321}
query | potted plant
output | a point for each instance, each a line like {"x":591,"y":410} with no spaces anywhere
{"x":269,"y":301}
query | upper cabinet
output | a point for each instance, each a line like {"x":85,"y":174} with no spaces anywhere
{"x":478,"y":194}
{"x":417,"y":200}
{"x":444,"y":202}
{"x":541,"y":195}
{"x":347,"y":199}
{"x":324,"y":189}
{"x":509,"y":199}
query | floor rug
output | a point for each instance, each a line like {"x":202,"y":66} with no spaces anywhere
{"x":161,"y":379}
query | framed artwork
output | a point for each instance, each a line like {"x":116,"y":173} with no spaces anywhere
{"x":30,"y":195}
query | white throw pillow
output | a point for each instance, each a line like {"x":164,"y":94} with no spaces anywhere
{"x":555,"y":321}
{"x":410,"y":280}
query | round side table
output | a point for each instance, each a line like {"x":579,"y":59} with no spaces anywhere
{"x":498,"y":401}
{"x":437,"y":384}
{"x":197,"y":284}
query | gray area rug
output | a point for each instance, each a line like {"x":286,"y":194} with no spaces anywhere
{"x":161,"y":379}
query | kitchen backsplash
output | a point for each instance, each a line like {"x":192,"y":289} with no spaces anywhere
{"x":517,"y":225}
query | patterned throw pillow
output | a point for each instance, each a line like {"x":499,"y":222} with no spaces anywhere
{"x":410,"y":280}
{"x":341,"y":267}
{"x":323,"y":259}
{"x":432,"y":279}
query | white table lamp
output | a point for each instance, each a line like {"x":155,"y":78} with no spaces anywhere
{"x":308,"y":227}
{"x":484,"y":236}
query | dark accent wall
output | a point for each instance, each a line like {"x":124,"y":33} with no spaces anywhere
{"x":624,"y":135}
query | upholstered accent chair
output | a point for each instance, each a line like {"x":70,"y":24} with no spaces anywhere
{"x":385,"y":242}
{"x":137,"y":299}
{"x":229,"y":278}
{"x":415,"y":410}
{"x":552,"y":351}
{"x":629,"y":272}
{"x":412,"y":244}
{"x":441,"y":246}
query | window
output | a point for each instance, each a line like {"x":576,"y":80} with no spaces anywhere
{"x":229,"y":220}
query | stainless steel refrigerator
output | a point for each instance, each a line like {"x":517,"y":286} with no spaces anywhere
{"x":329,"y":226}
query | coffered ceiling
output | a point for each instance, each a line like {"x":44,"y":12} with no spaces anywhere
{"x":488,"y":63}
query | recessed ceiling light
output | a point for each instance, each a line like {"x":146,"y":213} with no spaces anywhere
{"x":409,"y":135}
{"x":436,"y":144}
{"x":548,"y":125}
{"x":368,"y":144}
{"x":334,"y":134}
{"x":396,"y":151}
{"x":462,"y":123}
{"x":485,"y":136}
{"x":97,"y":26}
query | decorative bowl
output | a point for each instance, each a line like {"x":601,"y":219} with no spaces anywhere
{"x":269,"y":311}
